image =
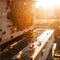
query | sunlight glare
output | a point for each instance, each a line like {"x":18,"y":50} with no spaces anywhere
{"x":47,"y":3}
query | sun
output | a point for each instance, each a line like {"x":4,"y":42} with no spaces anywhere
{"x":47,"y":3}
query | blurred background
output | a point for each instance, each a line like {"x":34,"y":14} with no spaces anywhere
{"x":18,"y":19}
